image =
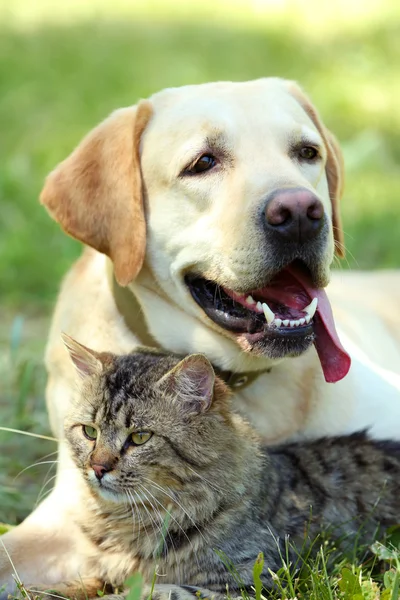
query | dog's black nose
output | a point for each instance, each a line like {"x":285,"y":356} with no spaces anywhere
{"x":295,"y":214}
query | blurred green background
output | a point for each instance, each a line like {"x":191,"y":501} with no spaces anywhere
{"x":65,"y":66}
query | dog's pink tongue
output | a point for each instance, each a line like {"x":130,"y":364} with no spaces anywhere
{"x":334,"y":359}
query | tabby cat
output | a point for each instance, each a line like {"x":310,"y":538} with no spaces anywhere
{"x":176,"y":480}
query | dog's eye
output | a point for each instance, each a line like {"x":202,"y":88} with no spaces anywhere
{"x":308,"y":153}
{"x":204,"y":163}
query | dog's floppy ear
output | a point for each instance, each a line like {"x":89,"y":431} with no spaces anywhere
{"x":334,"y":165}
{"x":96,"y":193}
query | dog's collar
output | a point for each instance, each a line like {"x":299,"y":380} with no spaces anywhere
{"x":130,"y":309}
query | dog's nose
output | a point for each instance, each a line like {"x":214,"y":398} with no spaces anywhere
{"x":101,"y":470}
{"x":296,"y":214}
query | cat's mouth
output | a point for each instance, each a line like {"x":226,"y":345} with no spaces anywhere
{"x":106,"y":489}
{"x":281,"y":319}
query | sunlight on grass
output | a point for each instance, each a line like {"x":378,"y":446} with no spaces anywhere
{"x":318,"y":17}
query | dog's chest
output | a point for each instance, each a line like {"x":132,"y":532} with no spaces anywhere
{"x":280,"y":404}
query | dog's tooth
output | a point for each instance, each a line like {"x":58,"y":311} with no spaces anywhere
{"x":286,"y":322}
{"x":278,"y":322}
{"x":302,"y":321}
{"x":297,"y":323}
{"x":259,"y":307}
{"x":292,"y":323}
{"x":311,"y":308}
{"x":269,"y":315}
{"x":250,"y":300}
{"x":308,"y":319}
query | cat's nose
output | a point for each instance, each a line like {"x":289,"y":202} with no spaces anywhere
{"x":101,"y":470}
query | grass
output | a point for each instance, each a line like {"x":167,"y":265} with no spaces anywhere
{"x":22,"y":407}
{"x":323,"y":575}
{"x":65,"y":66}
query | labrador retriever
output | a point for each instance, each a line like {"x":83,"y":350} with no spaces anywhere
{"x":211,"y":213}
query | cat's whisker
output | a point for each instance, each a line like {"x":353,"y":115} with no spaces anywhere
{"x":43,"y":491}
{"x":177,"y":503}
{"x":163,"y":529}
{"x":139,"y":516}
{"x":168,"y":533}
{"x":153,"y":520}
{"x":48,"y":455}
{"x":46,"y":483}
{"x":132,"y":509}
{"x":134,"y":515}
{"x":172,"y":517}
{"x":214,"y":487}
{"x":43,"y":462}
{"x":53,"y":463}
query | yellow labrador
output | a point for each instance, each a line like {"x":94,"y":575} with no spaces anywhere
{"x":212,"y":213}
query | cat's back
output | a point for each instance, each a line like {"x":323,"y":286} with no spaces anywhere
{"x":344,"y":479}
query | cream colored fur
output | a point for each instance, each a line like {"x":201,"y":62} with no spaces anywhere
{"x":201,"y":224}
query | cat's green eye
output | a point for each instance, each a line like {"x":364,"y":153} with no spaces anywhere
{"x":140,"y":437}
{"x":90,"y":432}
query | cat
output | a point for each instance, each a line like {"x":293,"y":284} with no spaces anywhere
{"x":176,"y":481}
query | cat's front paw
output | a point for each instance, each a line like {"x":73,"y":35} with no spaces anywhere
{"x":75,"y":590}
{"x":171,"y":592}
{"x":179,"y":592}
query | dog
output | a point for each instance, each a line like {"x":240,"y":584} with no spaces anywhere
{"x":211,"y":218}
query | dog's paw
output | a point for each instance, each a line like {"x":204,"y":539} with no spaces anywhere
{"x":83,"y":589}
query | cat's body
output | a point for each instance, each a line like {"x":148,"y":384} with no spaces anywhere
{"x":202,"y":482}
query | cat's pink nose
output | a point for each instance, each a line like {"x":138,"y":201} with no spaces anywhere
{"x":100,"y":470}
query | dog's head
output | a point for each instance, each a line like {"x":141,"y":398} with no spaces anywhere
{"x":240,"y":185}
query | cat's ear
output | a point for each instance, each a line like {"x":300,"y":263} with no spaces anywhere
{"x":191,"y":382}
{"x":86,"y":361}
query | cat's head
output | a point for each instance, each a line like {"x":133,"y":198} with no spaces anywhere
{"x":149,"y":423}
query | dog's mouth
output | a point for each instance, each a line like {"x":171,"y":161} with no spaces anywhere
{"x":282,"y":319}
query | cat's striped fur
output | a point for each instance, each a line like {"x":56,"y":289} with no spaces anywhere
{"x":203,"y":482}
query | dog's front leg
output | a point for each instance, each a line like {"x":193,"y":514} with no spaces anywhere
{"x":48,"y":546}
